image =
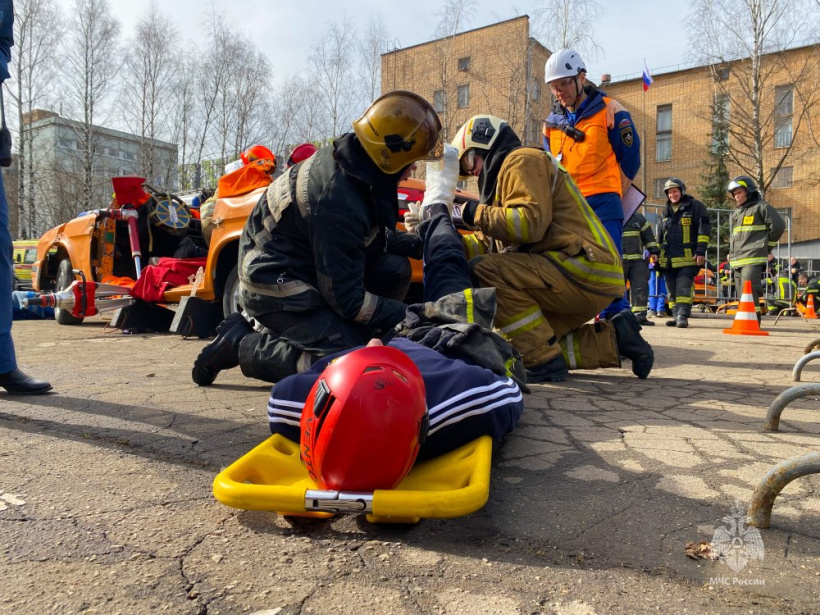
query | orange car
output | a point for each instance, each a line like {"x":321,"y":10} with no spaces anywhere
{"x":87,"y":243}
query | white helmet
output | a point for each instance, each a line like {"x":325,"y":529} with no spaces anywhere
{"x":564,"y":63}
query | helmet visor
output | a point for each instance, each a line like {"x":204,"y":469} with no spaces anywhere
{"x":467,"y":162}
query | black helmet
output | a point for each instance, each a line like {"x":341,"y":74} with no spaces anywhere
{"x":742,"y":181}
{"x":674,"y":182}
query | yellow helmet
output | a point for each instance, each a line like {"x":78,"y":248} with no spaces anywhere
{"x":398,"y":129}
{"x":479,"y":132}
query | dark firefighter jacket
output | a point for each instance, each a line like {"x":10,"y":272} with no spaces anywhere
{"x":637,"y":237}
{"x":756,"y":227}
{"x":316,"y":228}
{"x":684,"y":233}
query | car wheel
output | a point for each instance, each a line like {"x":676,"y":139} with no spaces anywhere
{"x":230,"y":296}
{"x":65,"y":277}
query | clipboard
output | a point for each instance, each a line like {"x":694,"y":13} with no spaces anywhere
{"x":631,"y":200}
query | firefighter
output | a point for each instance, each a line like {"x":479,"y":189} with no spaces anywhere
{"x":321,"y":268}
{"x":684,"y":239}
{"x":756,"y":228}
{"x":548,"y":255}
{"x":807,"y":285}
{"x":638,"y":238}
{"x":781,"y":293}
{"x":594,"y":138}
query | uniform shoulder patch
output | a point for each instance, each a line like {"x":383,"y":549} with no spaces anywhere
{"x":626,"y":133}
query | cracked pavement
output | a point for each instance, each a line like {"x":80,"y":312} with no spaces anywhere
{"x":106,"y":504}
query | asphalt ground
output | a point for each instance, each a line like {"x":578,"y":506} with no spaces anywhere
{"x":106,"y":502}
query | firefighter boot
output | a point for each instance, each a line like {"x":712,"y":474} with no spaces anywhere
{"x":643,"y":320}
{"x":682,"y":321}
{"x":674,"y":315}
{"x":554,"y":370}
{"x":223,"y":352}
{"x":631,"y":345}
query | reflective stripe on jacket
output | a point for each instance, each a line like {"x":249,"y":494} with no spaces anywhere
{"x":756,"y":227}
{"x":684,"y":233}
{"x":539,"y":209}
{"x":637,"y":237}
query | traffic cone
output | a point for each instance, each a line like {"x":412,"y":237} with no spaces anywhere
{"x":810,"y":313}
{"x":746,"y":318}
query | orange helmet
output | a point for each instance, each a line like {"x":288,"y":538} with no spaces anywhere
{"x":300,"y":153}
{"x":364,"y":421}
{"x":257,"y":152}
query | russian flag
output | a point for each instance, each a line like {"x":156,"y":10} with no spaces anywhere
{"x":647,"y":78}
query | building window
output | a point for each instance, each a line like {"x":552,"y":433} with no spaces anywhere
{"x":463,"y":96}
{"x":535,"y":89}
{"x":722,"y":74}
{"x":464,"y":64}
{"x":663,"y":143}
{"x":658,"y":192}
{"x":439,"y":101}
{"x":784,"y":178}
{"x":783,"y":109}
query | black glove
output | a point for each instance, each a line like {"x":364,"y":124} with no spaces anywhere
{"x":441,"y":339}
{"x":468,"y":211}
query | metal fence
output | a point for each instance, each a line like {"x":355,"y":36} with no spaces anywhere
{"x":718,"y":250}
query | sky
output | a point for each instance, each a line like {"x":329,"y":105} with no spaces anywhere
{"x":629,"y":31}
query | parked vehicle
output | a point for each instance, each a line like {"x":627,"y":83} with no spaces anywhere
{"x":24,"y":256}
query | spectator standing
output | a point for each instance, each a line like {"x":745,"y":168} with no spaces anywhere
{"x":14,"y":380}
{"x":756,"y":228}
{"x":684,"y":239}
{"x":795,"y":267}
{"x":594,"y":139}
{"x":639,"y":239}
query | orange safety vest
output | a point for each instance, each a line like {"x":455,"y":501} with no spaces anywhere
{"x":591,"y":162}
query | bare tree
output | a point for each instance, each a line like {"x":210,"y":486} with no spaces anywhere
{"x":37,"y":31}
{"x":454,"y":16}
{"x":183,"y":119}
{"x":332,"y":67}
{"x":90,"y":64}
{"x":570,"y":23}
{"x":249,"y":86}
{"x":371,"y":47}
{"x":149,"y":69}
{"x":772,"y":91}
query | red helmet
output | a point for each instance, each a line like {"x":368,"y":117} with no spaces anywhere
{"x":364,"y":420}
{"x":257,"y":152}
{"x":300,"y":153}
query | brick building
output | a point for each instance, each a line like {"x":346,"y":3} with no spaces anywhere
{"x":497,"y":69}
{"x":676,"y":121}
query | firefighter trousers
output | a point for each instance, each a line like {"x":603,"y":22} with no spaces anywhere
{"x":753,"y":273}
{"x":303,"y":328}
{"x":680,"y":284}
{"x":636,"y":272}
{"x":543,"y":312}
